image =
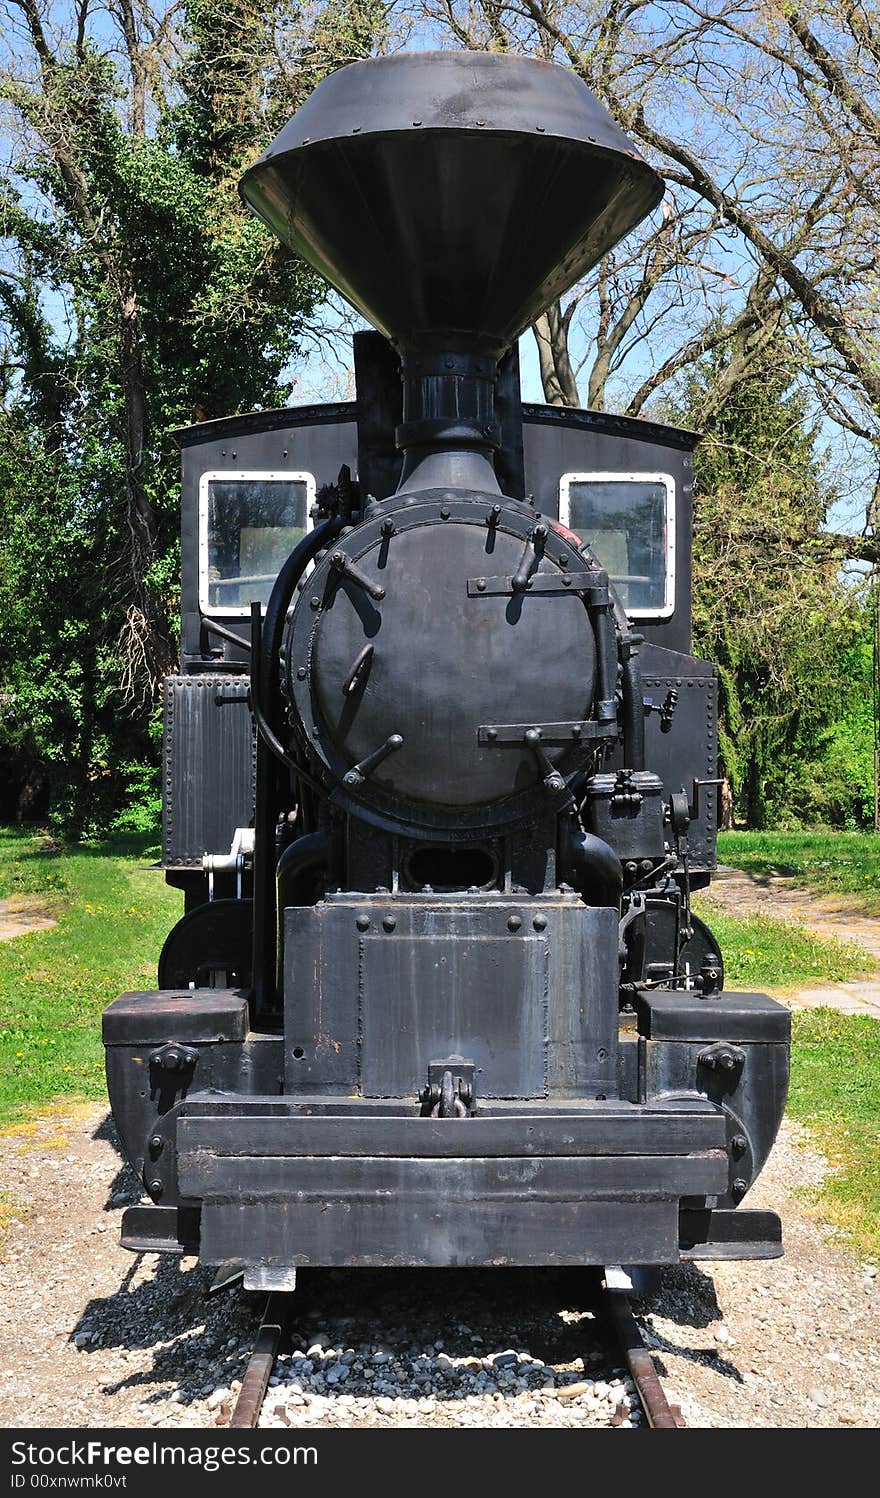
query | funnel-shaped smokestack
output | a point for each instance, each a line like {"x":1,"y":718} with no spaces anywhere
{"x":443,"y":192}
{"x":450,"y":197}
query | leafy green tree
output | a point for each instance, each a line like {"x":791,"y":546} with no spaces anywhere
{"x":136,"y":295}
{"x":770,"y":604}
{"x":844,"y":776}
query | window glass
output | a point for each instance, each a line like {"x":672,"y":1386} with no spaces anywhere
{"x":251,"y":526}
{"x":625,"y":521}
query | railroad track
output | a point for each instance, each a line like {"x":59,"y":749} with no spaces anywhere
{"x":246,"y":1412}
{"x":613,"y":1314}
{"x":659,"y":1413}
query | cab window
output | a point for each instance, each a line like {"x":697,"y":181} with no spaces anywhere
{"x":628,"y":520}
{"x":249,"y":524}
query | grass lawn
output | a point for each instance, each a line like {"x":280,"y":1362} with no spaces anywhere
{"x":113,"y":913}
{"x":762,"y":952}
{"x":835,"y":863}
{"x":835,"y":1091}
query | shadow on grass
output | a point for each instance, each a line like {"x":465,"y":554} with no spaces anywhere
{"x":140,"y":845}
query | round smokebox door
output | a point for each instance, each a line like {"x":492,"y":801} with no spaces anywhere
{"x":432,"y":664}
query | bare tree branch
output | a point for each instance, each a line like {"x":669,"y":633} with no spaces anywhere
{"x":557,"y":375}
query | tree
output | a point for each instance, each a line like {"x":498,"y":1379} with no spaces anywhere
{"x":765,"y":123}
{"x":756,"y":281}
{"x":770,"y":606}
{"x":136,"y":294}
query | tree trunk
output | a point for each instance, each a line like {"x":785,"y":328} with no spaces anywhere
{"x":141,"y":520}
{"x":557,"y":375}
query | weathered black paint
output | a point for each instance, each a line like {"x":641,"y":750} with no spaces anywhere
{"x":449,"y":151}
{"x":479,"y":792}
{"x":527,"y":991}
{"x":209,"y":767}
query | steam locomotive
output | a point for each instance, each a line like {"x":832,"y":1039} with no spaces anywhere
{"x":440,"y":766}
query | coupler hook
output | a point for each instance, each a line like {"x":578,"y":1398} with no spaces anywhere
{"x":451,"y":1091}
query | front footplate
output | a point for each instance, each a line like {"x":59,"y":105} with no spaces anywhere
{"x":730,"y":1233}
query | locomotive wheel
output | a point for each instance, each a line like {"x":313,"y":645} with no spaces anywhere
{"x":660,"y":940}
{"x":209,"y":942}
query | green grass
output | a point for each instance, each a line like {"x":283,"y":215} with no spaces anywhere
{"x":834,"y":863}
{"x":762,"y":952}
{"x":835,"y":1092}
{"x":113,"y":913}
{"x":31,"y":866}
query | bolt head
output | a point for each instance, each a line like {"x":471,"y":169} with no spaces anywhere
{"x":363,"y":923}
{"x":155,"y":1187}
{"x":389,"y":922}
{"x":514,"y":922}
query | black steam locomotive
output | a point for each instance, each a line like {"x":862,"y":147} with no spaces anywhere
{"x":440,"y":768}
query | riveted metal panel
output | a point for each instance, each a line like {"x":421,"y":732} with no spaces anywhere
{"x":208,"y":786}
{"x":374,"y":990}
{"x":688,"y":753}
{"x":423,"y":997}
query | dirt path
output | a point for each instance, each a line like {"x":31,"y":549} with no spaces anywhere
{"x":836,"y":916}
{"x":93,"y":1336}
{"x":21,"y":914}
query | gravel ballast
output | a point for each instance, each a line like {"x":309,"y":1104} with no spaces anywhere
{"x":93,"y":1336}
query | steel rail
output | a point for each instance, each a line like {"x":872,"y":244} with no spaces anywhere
{"x":246,"y":1413}
{"x":614,"y":1309}
{"x":659,"y":1414}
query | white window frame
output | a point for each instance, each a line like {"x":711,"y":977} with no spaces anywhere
{"x":668,"y":482}
{"x":229,"y":475}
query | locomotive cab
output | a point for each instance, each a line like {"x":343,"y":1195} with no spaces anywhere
{"x":440,"y":765}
